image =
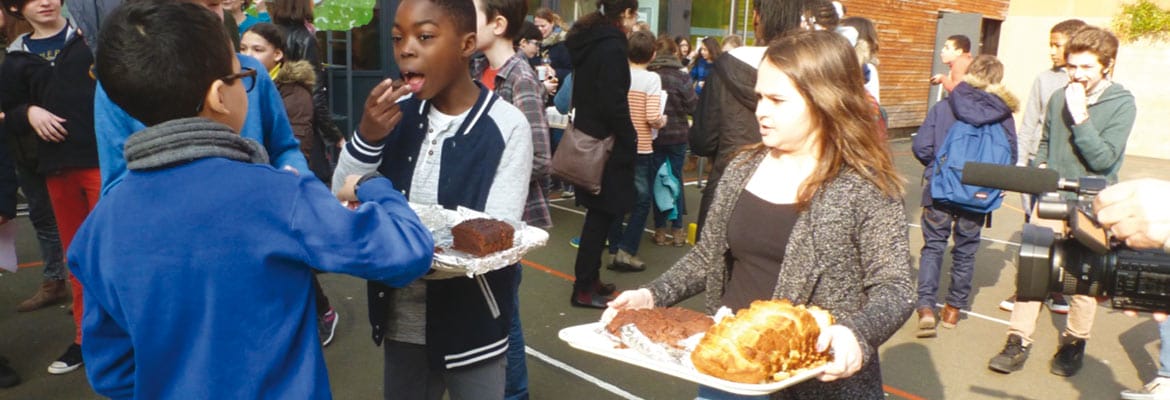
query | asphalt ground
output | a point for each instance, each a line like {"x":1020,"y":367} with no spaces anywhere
{"x":1121,"y":354}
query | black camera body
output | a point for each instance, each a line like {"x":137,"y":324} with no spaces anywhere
{"x":1083,"y":258}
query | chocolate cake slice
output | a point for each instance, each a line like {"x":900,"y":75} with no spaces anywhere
{"x":482,"y":236}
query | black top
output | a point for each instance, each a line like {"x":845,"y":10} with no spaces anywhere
{"x":64,"y":87}
{"x":757,"y":235}
{"x":725,"y":119}
{"x":601,"y":82}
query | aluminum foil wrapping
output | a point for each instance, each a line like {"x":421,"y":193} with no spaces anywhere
{"x":450,"y":263}
{"x":631,"y":337}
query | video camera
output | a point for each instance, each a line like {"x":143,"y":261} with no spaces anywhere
{"x":1084,"y":258}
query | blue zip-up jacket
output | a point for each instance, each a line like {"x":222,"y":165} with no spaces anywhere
{"x":198,"y":277}
{"x":266,"y":123}
{"x":968,"y":104}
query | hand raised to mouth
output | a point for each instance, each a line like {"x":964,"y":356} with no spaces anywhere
{"x":381,"y":110}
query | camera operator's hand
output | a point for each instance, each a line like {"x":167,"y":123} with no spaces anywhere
{"x":1133,"y":213}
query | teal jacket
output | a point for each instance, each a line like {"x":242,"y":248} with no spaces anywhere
{"x":666,"y":190}
{"x":1096,"y":146}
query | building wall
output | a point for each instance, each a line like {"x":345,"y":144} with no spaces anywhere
{"x":906,"y":30}
{"x":1140,"y":67}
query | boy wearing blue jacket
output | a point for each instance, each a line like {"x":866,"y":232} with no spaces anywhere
{"x":978,"y":100}
{"x":199,"y":260}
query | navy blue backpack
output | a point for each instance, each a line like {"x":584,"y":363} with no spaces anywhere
{"x":966,"y":143}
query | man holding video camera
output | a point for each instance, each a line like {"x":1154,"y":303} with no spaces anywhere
{"x":1085,"y":132}
{"x":1133,"y":213}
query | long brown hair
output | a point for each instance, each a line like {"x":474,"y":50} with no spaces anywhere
{"x":11,"y":28}
{"x":547,"y":14}
{"x":825,"y":70}
{"x":291,"y":12}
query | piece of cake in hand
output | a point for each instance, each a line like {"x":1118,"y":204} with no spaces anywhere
{"x":482,"y":236}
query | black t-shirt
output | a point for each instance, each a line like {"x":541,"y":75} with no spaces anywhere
{"x":757,"y":234}
{"x":47,"y":48}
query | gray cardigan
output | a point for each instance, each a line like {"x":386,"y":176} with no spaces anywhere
{"x":848,"y":253}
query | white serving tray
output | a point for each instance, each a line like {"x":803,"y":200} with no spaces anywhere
{"x":590,"y":338}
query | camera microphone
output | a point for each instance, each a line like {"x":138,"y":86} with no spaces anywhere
{"x":1019,"y":179}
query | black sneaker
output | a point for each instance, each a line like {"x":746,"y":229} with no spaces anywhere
{"x":68,"y":362}
{"x":1012,"y":358}
{"x":8,"y":376}
{"x":1069,"y":358}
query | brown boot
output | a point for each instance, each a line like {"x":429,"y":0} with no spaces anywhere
{"x":950,"y":316}
{"x":660,"y":237}
{"x":679,"y":236}
{"x":51,"y":292}
{"x":926,"y":323}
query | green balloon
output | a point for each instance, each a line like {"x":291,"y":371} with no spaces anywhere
{"x":343,"y":15}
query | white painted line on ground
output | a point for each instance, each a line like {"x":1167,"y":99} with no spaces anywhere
{"x":581,"y":374}
{"x":582,"y":213}
{"x":978,"y":315}
{"x":1000,"y":241}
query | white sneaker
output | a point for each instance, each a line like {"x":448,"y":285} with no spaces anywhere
{"x":1057,"y":304}
{"x":68,"y":362}
{"x":1008,"y":304}
{"x":1157,"y":389}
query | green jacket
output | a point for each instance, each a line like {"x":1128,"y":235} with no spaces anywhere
{"x":1096,"y":146}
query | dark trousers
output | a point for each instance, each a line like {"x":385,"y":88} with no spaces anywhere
{"x":593,"y":233}
{"x":40,"y":213}
{"x":938,"y":225}
{"x":322,"y":299}
{"x":516,"y":384}
{"x":628,"y":237}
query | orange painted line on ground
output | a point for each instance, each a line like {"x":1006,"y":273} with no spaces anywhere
{"x":548,"y":270}
{"x":894,"y":391}
{"x":30,"y":264}
{"x":889,"y":389}
{"x":1010,"y":207}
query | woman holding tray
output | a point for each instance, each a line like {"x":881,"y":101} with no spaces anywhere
{"x":813,"y":214}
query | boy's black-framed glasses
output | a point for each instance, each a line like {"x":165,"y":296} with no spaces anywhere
{"x":247,"y":77}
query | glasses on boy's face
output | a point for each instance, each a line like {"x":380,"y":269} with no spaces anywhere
{"x":247,"y":77}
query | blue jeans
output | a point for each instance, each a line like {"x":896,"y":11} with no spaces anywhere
{"x":937,"y":225}
{"x":676,"y":153}
{"x":1164,"y":354}
{"x":516,"y":383}
{"x":40,"y":213}
{"x":708,"y":393}
{"x":631,"y":237}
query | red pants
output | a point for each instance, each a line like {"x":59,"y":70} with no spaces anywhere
{"x":74,"y":193}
